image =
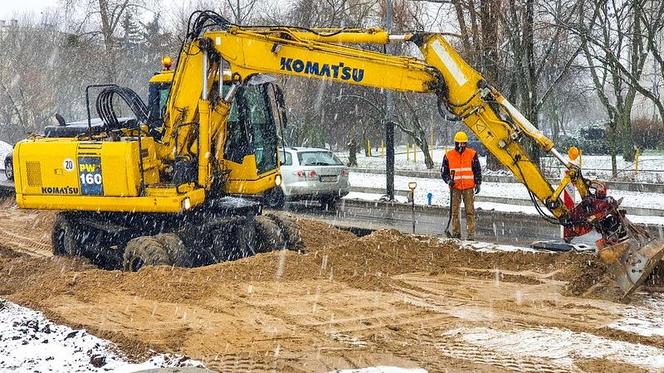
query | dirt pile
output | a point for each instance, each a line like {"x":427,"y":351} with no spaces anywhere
{"x":342,"y":302}
{"x":330,"y":254}
{"x":25,"y":231}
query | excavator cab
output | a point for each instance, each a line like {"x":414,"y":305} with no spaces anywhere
{"x":254,"y":128}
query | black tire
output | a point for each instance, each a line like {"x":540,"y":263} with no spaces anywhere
{"x":64,"y":237}
{"x":244,"y":239}
{"x":176,"y":249}
{"x":9,"y":171}
{"x":329,"y":203}
{"x":236,"y":239}
{"x":274,"y":198}
{"x":269,"y":235}
{"x":290,"y":230}
{"x":144,"y":251}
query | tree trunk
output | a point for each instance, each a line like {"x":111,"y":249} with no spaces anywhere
{"x":530,"y":94}
{"x":613,"y":148}
{"x":489,"y":16}
{"x":627,"y":140}
{"x":421,"y":141}
{"x":352,"y":153}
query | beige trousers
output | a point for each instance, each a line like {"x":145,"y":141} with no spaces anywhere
{"x":468,"y":197}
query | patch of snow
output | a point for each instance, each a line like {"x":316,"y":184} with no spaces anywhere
{"x":30,"y":342}
{"x":561,"y":346}
{"x":644,"y":318}
{"x":381,"y":369}
{"x":489,"y":247}
{"x":651,"y":166}
{"x":441,"y":194}
{"x":348,"y":339}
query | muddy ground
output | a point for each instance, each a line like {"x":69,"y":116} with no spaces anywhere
{"x":385,"y":299}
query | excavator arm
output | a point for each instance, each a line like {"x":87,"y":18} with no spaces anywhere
{"x":462,"y":91}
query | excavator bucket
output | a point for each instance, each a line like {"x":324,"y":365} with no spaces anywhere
{"x":631,"y":261}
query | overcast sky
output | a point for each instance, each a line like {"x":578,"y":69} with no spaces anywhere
{"x":14,"y":8}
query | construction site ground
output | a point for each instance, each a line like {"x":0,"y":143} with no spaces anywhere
{"x":386,"y":299}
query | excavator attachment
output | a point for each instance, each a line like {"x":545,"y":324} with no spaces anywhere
{"x":628,"y":250}
{"x":631,"y":261}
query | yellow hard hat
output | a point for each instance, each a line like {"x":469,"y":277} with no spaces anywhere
{"x":460,"y":137}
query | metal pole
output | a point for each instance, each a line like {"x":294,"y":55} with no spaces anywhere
{"x":412,"y":196}
{"x":412,"y":185}
{"x":389,"y":115}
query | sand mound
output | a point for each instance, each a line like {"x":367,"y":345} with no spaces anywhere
{"x":311,"y":305}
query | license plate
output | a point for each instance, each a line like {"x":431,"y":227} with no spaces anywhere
{"x":328,"y":179}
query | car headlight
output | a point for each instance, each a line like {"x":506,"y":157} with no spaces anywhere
{"x":186,"y":204}
{"x":277,"y":180}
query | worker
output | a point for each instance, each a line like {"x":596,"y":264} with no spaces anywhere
{"x":462,"y":172}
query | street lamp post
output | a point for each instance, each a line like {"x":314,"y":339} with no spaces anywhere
{"x":389,"y":117}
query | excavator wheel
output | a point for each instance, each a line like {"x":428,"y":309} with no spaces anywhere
{"x":244,"y":233}
{"x":234,"y":240}
{"x":64,"y":237}
{"x":290,"y":230}
{"x":144,"y":251}
{"x":269,"y":235}
{"x":176,"y":249}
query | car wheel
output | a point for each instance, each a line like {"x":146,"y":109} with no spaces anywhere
{"x":329,"y":202}
{"x":274,"y":198}
{"x":9,"y":170}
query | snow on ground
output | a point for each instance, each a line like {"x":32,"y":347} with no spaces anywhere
{"x":401,"y":161}
{"x":490,"y":247}
{"x":382,"y":369}
{"x":562,"y":346}
{"x":644,"y":318}
{"x":31,"y":343}
{"x":530,"y":210}
{"x":441,"y":195}
{"x":651,"y":164}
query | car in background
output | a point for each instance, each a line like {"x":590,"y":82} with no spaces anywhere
{"x":9,"y":166}
{"x":309,"y":174}
{"x":6,"y":151}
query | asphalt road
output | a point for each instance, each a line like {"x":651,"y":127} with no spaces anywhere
{"x":493,"y":226}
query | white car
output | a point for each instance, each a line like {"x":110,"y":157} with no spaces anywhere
{"x":6,"y":160}
{"x":309,"y":174}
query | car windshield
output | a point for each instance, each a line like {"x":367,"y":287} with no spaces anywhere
{"x":318,"y":158}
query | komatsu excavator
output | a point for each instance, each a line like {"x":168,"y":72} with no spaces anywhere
{"x":162,"y":188}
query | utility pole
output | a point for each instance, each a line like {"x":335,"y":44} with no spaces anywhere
{"x":389,"y":117}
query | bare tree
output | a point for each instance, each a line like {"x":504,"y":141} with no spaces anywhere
{"x":615,"y":52}
{"x":106,"y":16}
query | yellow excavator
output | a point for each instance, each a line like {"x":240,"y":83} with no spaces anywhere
{"x":163,"y":186}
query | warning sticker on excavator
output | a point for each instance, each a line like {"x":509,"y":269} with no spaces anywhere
{"x":89,"y":173}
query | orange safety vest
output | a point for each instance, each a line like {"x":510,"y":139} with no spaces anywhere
{"x":462,"y":166}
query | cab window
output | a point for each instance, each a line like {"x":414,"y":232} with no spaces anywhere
{"x":157,"y":98}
